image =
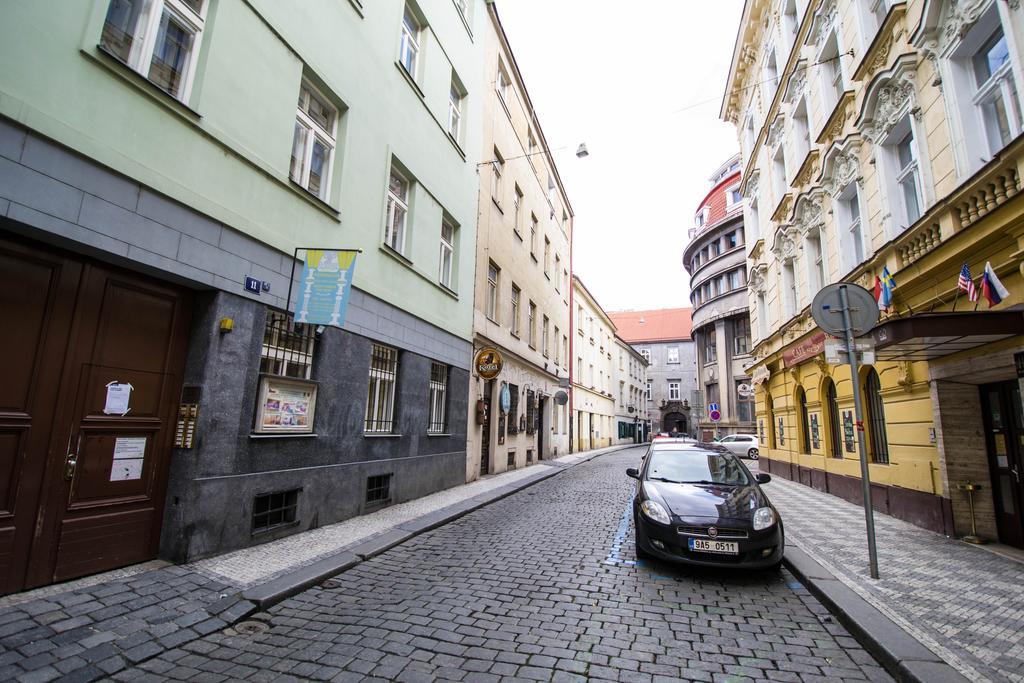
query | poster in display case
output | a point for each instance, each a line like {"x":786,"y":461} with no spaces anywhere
{"x":286,"y":405}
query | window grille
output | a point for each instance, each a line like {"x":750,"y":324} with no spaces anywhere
{"x":287,"y":346}
{"x":876,"y":419}
{"x":511,"y":460}
{"x":378,"y":490}
{"x":380,"y":402}
{"x":273,"y":510}
{"x":513,"y":409}
{"x":529,"y":456}
{"x":438,"y":392}
{"x":531,"y":416}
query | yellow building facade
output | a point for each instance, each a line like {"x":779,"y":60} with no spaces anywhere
{"x":593,"y":348}
{"x":885,"y":136}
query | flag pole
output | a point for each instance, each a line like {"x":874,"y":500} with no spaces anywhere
{"x":956,"y":297}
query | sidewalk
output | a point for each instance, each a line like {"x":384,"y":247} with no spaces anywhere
{"x":97,"y":626}
{"x":962,"y":602}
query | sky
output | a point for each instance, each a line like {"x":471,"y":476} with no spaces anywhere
{"x":618,"y":79}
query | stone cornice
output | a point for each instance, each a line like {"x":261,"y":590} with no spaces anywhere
{"x":836,"y":122}
{"x":889,"y":34}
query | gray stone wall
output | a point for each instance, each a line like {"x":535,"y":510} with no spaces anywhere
{"x":212,"y":485}
{"x":660,"y":371}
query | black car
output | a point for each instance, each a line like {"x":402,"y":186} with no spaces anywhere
{"x":699,"y":504}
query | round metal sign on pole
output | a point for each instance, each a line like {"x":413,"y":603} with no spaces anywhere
{"x":827,"y":311}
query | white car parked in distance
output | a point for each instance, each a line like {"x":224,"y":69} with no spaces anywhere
{"x":743,"y":445}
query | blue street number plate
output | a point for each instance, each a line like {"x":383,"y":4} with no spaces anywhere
{"x":722,"y":547}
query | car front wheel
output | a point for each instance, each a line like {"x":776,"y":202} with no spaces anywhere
{"x":752,"y":454}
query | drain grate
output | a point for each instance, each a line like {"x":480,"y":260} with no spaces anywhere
{"x":250,"y":628}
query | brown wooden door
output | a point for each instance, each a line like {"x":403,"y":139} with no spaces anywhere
{"x":84,"y":487}
{"x":1004,"y":431}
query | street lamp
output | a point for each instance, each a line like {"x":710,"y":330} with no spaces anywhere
{"x":581,"y":153}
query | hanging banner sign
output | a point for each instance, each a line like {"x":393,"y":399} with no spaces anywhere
{"x":324,"y":287}
{"x":805,"y":350}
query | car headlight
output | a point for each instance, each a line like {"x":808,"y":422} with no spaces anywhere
{"x":655,"y":511}
{"x":763,"y":518}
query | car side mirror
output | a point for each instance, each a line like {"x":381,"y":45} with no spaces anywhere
{"x":633,"y":472}
{"x":763,"y":478}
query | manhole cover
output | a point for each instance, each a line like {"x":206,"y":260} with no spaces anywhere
{"x":250,"y":628}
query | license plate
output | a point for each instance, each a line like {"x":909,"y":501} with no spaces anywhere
{"x":724,"y":547}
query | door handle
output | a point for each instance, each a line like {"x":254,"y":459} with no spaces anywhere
{"x":1016,"y":473}
{"x":69,"y":466}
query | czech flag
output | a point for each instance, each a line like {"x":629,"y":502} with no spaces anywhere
{"x":991,"y":288}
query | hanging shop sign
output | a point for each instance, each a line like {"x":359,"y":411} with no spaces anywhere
{"x":848,"y":430}
{"x":488,"y":362}
{"x":805,"y":350}
{"x":324,"y":287}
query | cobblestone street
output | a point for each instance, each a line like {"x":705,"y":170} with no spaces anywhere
{"x":542,"y":585}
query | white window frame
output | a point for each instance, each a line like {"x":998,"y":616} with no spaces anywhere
{"x":531,"y":315}
{"x":547,"y":258}
{"x":558,"y":274}
{"x":514,"y":298}
{"x":817,"y":260}
{"x":455,"y":97}
{"x":762,"y":316}
{"x":497,"y":170}
{"x":853,"y":238}
{"x":899,"y":175}
{"x":501,"y":85}
{"x":832,"y":76}
{"x":999,"y":86}
{"x":673,"y":355}
{"x":788,"y":289}
{"x":147,"y":30}
{"x":409,"y":43}
{"x":314,"y":133}
{"x":395,"y":238}
{"x":544,"y":338}
{"x":517,"y":208}
{"x":437,"y":401}
{"x":493,"y":280}
{"x":674,"y":392}
{"x":380,"y":398}
{"x":447,"y":262}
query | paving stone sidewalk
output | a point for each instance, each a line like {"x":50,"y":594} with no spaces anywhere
{"x":964,"y":603}
{"x":93,"y":628}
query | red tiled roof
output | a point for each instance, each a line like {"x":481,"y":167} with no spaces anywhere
{"x":665,"y":324}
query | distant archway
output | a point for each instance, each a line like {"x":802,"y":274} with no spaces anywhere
{"x":677,"y":421}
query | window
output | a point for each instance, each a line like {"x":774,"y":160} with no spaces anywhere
{"x":579,"y":370}
{"x":762,"y":316}
{"x":492,"y":291}
{"x":274,"y":510}
{"x":673,"y":389}
{"x":995,"y":91}
{"x":790,"y":24}
{"x":579,"y":319}
{"x":801,"y":131}
{"x":378,"y":490}
{"x":497,"y":169}
{"x":455,"y":111}
{"x":558,"y":341}
{"x":517,"y":207}
{"x":741,"y":336}
{"x":647,"y":392}
{"x":771,"y":73}
{"x":398,"y":209}
{"x":444,"y":275}
{"x":438,"y":392}
{"x":753,"y":222}
{"x":834,"y":425}
{"x":409,"y":49}
{"x":513,"y":323}
{"x":744,"y":403}
{"x":159,"y":39}
{"x":501,"y":85}
{"x":533,"y":236}
{"x":710,"y":346}
{"x":876,"y":418}
{"x":558,"y":271}
{"x":380,"y":402}
{"x":732,"y":240}
{"x":779,"y":183}
{"x":531,"y":418}
{"x":513,"y":409}
{"x":701,"y":219}
{"x":287,"y":348}
{"x":832,"y":82}
{"x":565,"y":351}
{"x":463,"y":6}
{"x":733,"y":196}
{"x":872,"y":16}
{"x":547,"y":258}
{"x":313,"y":143}
{"x":816,"y":276}
{"x":713,"y":249}
{"x":804,"y":419}
{"x":531,"y":141}
{"x":544,"y":336}
{"x":734,"y":280}
{"x":712,"y":393}
{"x":788,"y":290}
{"x":851,"y":231}
{"x":908,"y":176}
{"x":532,"y":321}
{"x":673,"y":354}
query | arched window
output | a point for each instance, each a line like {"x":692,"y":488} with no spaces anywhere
{"x":770,"y":409}
{"x":832,"y":406}
{"x":875,"y":418}
{"x":802,"y":416}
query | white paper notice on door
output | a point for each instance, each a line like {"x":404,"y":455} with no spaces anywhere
{"x":118,"y":396}
{"x":129,"y":456}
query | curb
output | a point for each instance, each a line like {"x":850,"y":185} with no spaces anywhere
{"x":902,"y":655}
{"x":268,"y":594}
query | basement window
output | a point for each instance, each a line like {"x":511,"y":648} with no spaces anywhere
{"x":378,"y":491}
{"x":274,"y":510}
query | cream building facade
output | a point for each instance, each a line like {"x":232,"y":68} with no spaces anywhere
{"x":885,"y":136}
{"x":629,"y":385}
{"x":522,"y":285}
{"x":593,"y":347}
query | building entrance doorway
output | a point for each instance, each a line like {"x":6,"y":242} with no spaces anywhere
{"x":676,"y":421}
{"x":485,"y":439}
{"x":1004,"y":430}
{"x":92,"y":376}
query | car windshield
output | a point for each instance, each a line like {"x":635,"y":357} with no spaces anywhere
{"x":699,"y":467}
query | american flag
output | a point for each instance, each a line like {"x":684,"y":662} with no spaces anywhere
{"x":967,"y":284}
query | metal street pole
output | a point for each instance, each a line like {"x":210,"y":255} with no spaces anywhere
{"x":869,"y":515}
